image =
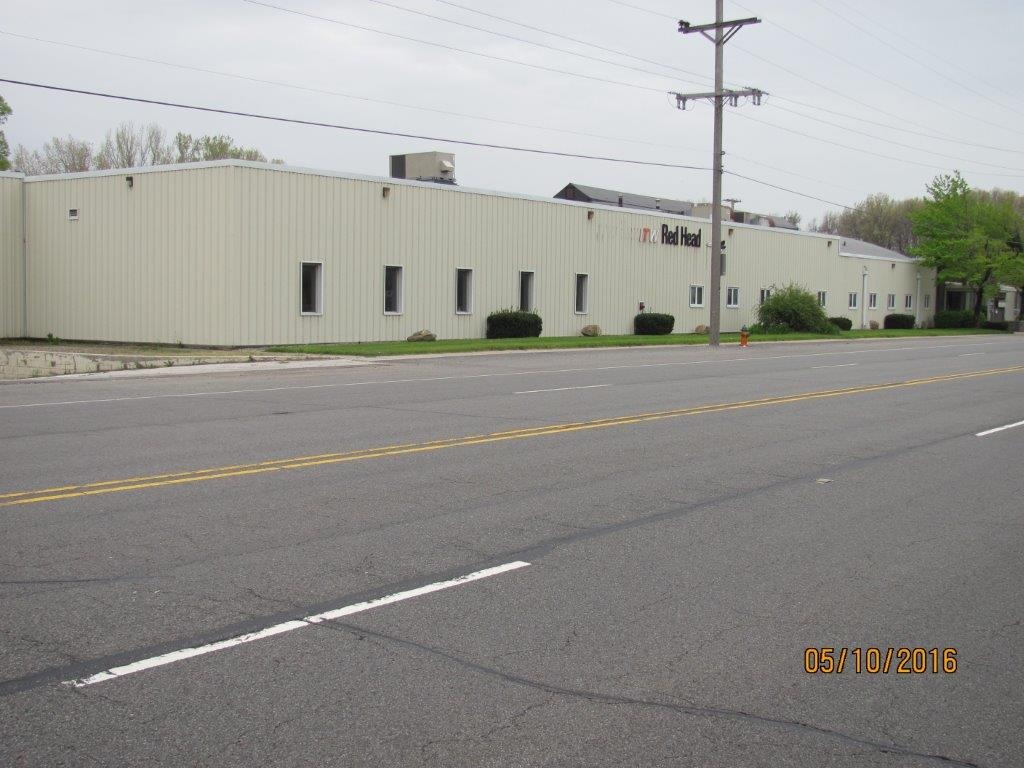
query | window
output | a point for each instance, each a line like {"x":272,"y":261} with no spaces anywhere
{"x":853,"y":301}
{"x":463,"y":291}
{"x":890,"y":301}
{"x":766,"y":293}
{"x":393,"y":291}
{"x":311,"y":288}
{"x":526,"y":291}
{"x":928,"y":301}
{"x":908,"y":301}
{"x":872,"y":301}
{"x":582,"y":299}
{"x":732,"y":297}
{"x":822,"y":298}
{"x":696,"y":295}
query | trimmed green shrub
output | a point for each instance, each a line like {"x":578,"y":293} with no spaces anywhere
{"x":653,"y":324}
{"x":996,"y":325}
{"x":842,"y":323}
{"x":954,"y":318}
{"x":513,"y":324}
{"x":899,"y":321}
{"x":794,"y":307}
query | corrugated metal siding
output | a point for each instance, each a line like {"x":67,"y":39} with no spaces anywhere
{"x":11,"y":257}
{"x":212,"y":256}
{"x":150,"y":263}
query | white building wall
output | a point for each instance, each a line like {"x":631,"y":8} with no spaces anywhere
{"x":11,"y":256}
{"x":211,"y":254}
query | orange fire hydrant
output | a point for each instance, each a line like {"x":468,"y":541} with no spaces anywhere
{"x":744,"y":336}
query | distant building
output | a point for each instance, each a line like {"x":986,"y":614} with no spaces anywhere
{"x":583,"y":194}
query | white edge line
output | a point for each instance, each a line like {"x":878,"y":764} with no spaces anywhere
{"x":841,"y":365}
{"x":744,"y":359}
{"x":288,"y":626}
{"x":561,"y":389}
{"x":999,"y":429}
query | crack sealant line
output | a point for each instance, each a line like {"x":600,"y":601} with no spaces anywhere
{"x":288,"y":626}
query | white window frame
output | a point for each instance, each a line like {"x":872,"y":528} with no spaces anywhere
{"x":872,"y":301}
{"x":822,"y":298}
{"x":576,"y":293}
{"x":531,"y":305}
{"x":319,"y":288}
{"x":852,"y":300}
{"x":469,"y":289}
{"x":730,"y":301}
{"x":764,"y":295}
{"x":890,"y":301}
{"x":908,"y":301}
{"x":400,"y":291}
{"x":699,"y":289}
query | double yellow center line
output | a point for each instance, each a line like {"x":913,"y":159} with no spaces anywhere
{"x":302,"y":462}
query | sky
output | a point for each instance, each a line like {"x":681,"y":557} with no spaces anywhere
{"x":864,"y":96}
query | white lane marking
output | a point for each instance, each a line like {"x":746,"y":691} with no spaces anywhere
{"x":256,"y":390}
{"x":970,"y":354}
{"x":999,"y":429}
{"x":288,"y":626}
{"x":841,"y":365}
{"x":561,"y":389}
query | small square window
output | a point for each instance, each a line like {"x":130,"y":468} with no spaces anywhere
{"x":582,"y":297}
{"x":822,"y":298}
{"x":732,"y":297}
{"x":526,"y":291}
{"x":393,"y":290}
{"x":852,"y":301}
{"x":872,"y":301}
{"x":696,"y":295}
{"x":463,"y":291}
{"x":310,"y":302}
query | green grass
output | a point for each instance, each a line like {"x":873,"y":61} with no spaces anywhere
{"x":382,"y":348}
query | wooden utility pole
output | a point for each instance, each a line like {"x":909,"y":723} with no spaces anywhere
{"x":723,"y":33}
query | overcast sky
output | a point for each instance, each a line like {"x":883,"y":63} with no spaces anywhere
{"x":934,"y":69}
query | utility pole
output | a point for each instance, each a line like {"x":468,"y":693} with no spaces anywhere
{"x":723,"y":33}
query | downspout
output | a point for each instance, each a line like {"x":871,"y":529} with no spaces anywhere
{"x":864,"y":299}
{"x":917,"y":302}
{"x":24,"y":258}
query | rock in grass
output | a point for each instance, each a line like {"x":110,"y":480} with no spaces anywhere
{"x":423,"y":335}
{"x":591,"y":330}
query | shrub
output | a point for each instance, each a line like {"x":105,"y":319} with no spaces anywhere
{"x":842,"y":323}
{"x":954,"y":318}
{"x":794,"y":307}
{"x":873,"y":325}
{"x":513,"y":324}
{"x":653,"y":324}
{"x":900,"y":321}
{"x":996,"y":325}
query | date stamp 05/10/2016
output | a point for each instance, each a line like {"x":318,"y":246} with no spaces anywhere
{"x":872,"y":660}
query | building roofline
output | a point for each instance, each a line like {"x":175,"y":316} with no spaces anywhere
{"x":11,"y":175}
{"x":281,"y":168}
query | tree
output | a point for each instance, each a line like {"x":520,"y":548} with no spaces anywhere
{"x":220,"y":147}
{"x":131,"y":147}
{"x":67,"y":155}
{"x":5,"y":150}
{"x":1010,"y":269}
{"x":879,"y":219}
{"x":964,"y":236}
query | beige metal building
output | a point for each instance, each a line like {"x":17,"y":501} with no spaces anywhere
{"x":240,"y":253}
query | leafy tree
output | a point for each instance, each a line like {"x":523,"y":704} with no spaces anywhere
{"x":1010,"y":269}
{"x":964,"y":236}
{"x":5,"y":150}
{"x":879,"y":219}
{"x":190,"y":150}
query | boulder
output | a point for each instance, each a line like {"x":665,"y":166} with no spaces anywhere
{"x":423,"y":335}
{"x":702,"y":329}
{"x":591,"y":330}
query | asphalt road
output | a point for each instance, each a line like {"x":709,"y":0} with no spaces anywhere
{"x":653,"y":539}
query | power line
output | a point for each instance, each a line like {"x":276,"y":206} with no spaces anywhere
{"x":904,"y":54}
{"x":341,"y":94}
{"x":507,"y":36}
{"x":447,"y":47}
{"x":577,"y":40}
{"x":400,"y":134}
{"x":892,"y":83}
